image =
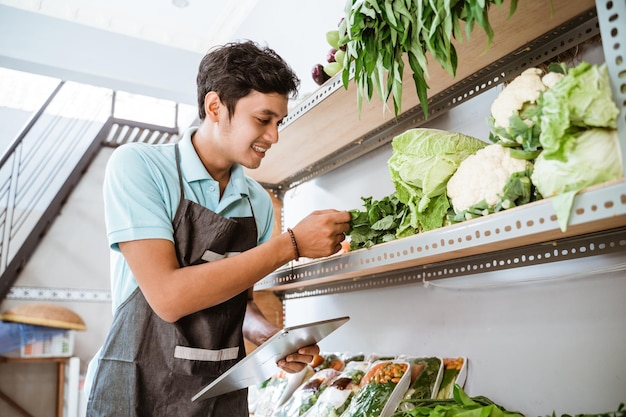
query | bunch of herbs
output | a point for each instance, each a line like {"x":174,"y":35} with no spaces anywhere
{"x":378,"y":33}
{"x":377,"y":223}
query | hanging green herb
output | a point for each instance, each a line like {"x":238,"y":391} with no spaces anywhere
{"x":378,"y":33}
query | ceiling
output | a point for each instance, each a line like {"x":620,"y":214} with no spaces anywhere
{"x":295,"y":29}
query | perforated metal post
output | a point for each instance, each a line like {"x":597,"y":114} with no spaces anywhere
{"x":612,"y":21}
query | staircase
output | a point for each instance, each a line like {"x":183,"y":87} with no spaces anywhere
{"x":48,"y":158}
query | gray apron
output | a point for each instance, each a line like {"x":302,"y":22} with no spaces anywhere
{"x":152,"y":368}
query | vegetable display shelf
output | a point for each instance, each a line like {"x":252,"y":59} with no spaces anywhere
{"x":327,"y":130}
{"x":522,"y":236}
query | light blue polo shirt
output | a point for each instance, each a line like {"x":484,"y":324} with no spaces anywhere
{"x":142,"y":192}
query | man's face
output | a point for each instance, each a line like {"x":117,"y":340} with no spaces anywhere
{"x":253,"y":128}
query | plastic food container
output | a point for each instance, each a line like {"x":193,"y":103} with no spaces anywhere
{"x":397,"y":393}
{"x":425,"y":381}
{"x":373,"y":393}
{"x":454,"y":372}
{"x":337,"y":396}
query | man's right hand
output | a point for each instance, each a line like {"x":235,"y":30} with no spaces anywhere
{"x":320,"y":233}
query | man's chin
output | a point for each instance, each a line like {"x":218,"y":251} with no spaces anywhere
{"x":252,"y":165}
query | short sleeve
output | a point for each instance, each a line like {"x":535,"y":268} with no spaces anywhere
{"x":266,"y":232}
{"x":263,"y":210}
{"x":137,"y":199}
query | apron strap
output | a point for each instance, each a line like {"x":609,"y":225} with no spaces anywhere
{"x":180,"y":175}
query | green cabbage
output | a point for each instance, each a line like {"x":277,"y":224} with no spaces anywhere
{"x":581,"y":100}
{"x":592,"y":157}
{"x":422,"y":162}
{"x":578,"y":137}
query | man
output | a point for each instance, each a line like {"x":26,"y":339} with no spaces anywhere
{"x":190,"y":235}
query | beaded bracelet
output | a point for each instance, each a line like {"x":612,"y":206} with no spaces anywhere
{"x":294,"y":243}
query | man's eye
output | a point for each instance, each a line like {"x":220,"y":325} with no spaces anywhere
{"x":264,"y":121}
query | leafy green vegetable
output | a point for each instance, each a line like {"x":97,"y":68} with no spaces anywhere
{"x":424,"y":384}
{"x":370,"y":400}
{"x":461,"y":405}
{"x":422,"y":162}
{"x":566,"y":125}
{"x":379,"y":33}
{"x":620,"y":412}
{"x":378,"y":223}
{"x":581,"y":100}
{"x":578,"y":137}
{"x":546,"y":111}
{"x":447,"y":383}
{"x":593,"y":157}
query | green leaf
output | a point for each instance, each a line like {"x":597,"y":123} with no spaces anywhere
{"x":390,"y":14}
{"x":460,"y":396}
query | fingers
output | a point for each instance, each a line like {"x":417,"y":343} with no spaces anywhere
{"x":291,"y":367}
{"x":295,"y":362}
{"x":343,"y":217}
{"x":325,"y":211}
{"x":311,"y":350}
{"x":337,"y":216}
{"x":339,"y":239}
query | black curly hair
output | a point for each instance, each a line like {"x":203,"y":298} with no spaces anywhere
{"x":235,"y":69}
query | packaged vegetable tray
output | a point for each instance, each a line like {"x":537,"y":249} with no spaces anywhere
{"x":327,"y":360}
{"x":337,"y":396}
{"x":454,"y":372}
{"x":381,"y":389}
{"x":305,"y":396}
{"x":426,"y":375}
{"x":274,"y":391}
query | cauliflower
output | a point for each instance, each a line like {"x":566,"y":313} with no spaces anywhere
{"x":551,"y":78}
{"x":481,"y":180}
{"x":515,"y":113}
{"x":524,"y":89}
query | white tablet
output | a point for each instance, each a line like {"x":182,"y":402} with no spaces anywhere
{"x":261,"y":363}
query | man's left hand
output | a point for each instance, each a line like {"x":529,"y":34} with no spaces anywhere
{"x":295,"y":362}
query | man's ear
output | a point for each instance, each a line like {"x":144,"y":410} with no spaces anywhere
{"x":212,"y":105}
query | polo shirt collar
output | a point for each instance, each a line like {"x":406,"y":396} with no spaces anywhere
{"x":194,"y":170}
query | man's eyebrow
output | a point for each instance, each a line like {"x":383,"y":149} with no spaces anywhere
{"x":272,"y":113}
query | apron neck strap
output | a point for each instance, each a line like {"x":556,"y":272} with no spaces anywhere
{"x":180,"y":175}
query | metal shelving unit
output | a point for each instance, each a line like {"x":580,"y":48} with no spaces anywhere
{"x":598,"y":214}
{"x":521,"y":236}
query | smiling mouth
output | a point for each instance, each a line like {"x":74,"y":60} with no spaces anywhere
{"x":260,"y":149}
